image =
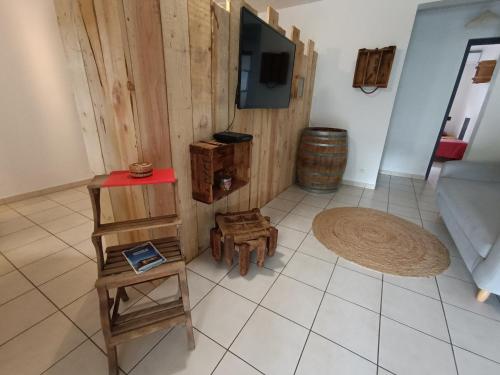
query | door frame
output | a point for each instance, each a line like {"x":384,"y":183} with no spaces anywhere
{"x":471,"y":43}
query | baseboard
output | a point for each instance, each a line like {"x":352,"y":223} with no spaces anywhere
{"x":400,"y":174}
{"x":37,"y":193}
{"x":358,"y":184}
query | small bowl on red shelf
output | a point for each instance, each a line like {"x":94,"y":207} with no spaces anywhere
{"x":140,"y":170}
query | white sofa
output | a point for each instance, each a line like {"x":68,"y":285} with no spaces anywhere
{"x":468,"y":197}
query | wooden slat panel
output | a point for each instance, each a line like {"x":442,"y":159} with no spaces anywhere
{"x":277,"y":145}
{"x":266,"y":152}
{"x":220,"y":77}
{"x":69,"y":19}
{"x":296,"y":105}
{"x":112,"y":37}
{"x":256,"y":127}
{"x":246,"y":126}
{"x":109,"y":14}
{"x":90,"y":43}
{"x":234,"y":37}
{"x":65,"y":10}
{"x":174,"y":18}
{"x":115,"y":200}
{"x":309,"y":83}
{"x":145,"y":41}
{"x":200,"y":41}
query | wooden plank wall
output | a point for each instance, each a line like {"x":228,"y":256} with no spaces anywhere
{"x":152,"y":76}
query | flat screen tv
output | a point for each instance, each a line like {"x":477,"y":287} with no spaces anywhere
{"x":265,"y":65}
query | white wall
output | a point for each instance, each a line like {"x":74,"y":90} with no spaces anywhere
{"x":491,"y":52}
{"x":438,"y":42}
{"x":463,"y":99}
{"x":41,"y":144}
{"x":485,"y":145}
{"x":339,"y":29}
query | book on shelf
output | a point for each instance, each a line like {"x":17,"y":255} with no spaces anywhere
{"x":143,"y":257}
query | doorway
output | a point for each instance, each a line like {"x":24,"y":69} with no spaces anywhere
{"x":467,"y":99}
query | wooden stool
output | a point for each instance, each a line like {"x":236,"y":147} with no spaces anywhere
{"x":247,"y":231}
{"x":114,"y":272}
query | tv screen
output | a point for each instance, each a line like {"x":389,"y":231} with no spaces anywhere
{"x":265,"y":66}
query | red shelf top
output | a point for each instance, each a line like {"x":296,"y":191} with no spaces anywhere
{"x":123,"y":178}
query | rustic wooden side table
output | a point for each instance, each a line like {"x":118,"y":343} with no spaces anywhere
{"x":248,"y":231}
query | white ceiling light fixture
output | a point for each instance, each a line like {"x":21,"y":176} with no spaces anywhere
{"x":486,"y":17}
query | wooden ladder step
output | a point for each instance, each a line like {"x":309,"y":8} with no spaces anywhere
{"x":137,"y":224}
{"x":116,"y":263}
{"x":146,"y":317}
{"x":160,"y":243}
{"x":125,"y":267}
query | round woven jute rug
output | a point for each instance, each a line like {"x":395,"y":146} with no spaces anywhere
{"x":381,"y":241}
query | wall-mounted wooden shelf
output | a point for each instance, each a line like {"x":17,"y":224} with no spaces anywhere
{"x":373,"y":67}
{"x":211,"y":160}
{"x":484,"y":71}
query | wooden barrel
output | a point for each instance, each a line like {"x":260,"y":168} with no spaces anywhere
{"x":321,"y":159}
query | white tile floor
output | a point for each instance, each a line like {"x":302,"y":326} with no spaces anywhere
{"x":307,"y":312}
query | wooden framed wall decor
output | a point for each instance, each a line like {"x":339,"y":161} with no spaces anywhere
{"x":152,"y":77}
{"x":484,"y":71}
{"x":373,"y":67}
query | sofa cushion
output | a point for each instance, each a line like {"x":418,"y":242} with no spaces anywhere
{"x":476,"y":207}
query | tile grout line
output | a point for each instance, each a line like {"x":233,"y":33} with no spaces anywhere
{"x":73,"y":350}
{"x":151,"y":349}
{"x":40,"y":291}
{"x":270,"y":287}
{"x":58,"y":310}
{"x":51,"y":234}
{"x":28,"y":328}
{"x":476,"y":354}
{"x":315,"y":316}
{"x":380,"y":321}
{"x":67,"y":271}
{"x":389,"y":318}
{"x":219,"y":361}
{"x":437,"y":285}
{"x":277,"y":313}
{"x":343,"y":347}
{"x":201,"y":299}
{"x":274,"y":281}
{"x":60,"y":239}
{"x":45,"y":282}
{"x":204,"y":297}
{"x":46,"y":256}
{"x":447,"y":327}
{"x":227,"y":351}
{"x":418,"y":208}
{"x":350,"y":302}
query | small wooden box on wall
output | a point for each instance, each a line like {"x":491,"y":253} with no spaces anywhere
{"x":211,"y":161}
{"x":484,"y":71}
{"x":373,"y":67}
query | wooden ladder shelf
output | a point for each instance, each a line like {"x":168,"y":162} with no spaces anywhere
{"x":114,"y":272}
